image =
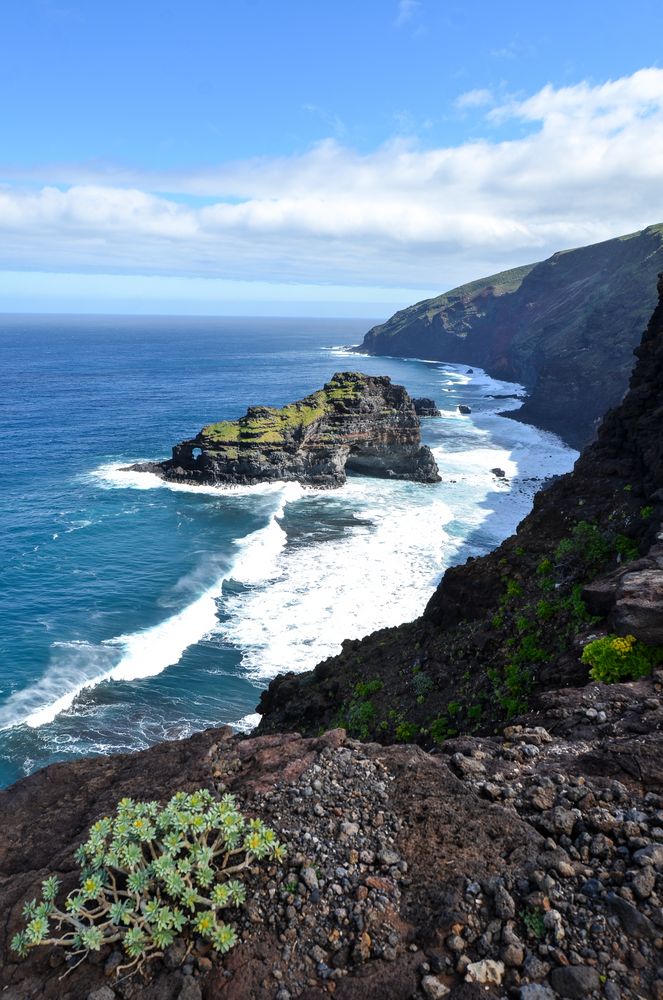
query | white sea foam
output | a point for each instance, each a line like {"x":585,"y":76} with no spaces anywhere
{"x":116,"y":475}
{"x":378,"y":573}
{"x":79,"y":666}
{"x":298,"y":602}
{"x":247,"y":723}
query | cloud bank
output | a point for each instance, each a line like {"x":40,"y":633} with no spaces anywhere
{"x":586,"y":164}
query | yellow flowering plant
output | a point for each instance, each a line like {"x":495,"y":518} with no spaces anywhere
{"x":620,"y":658}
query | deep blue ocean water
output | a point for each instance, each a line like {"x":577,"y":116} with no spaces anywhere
{"x":133,"y":611}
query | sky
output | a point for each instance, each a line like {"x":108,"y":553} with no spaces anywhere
{"x":292,"y":157}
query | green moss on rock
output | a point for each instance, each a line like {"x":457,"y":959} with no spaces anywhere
{"x":271,"y":425}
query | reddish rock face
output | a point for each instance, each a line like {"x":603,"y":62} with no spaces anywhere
{"x":406,"y":871}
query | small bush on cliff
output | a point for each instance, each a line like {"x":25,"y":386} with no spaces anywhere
{"x":150,"y":873}
{"x":587,"y":547}
{"x":620,"y":658}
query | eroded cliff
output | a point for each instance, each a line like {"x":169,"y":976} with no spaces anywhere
{"x":500,"y":629}
{"x":565,"y":327}
{"x":355,"y":423}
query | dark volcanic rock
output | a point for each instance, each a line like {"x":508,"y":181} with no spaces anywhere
{"x":425,"y":407}
{"x":638,"y":607}
{"x":462,"y":408}
{"x":498,"y":860}
{"x":356,"y":423}
{"x":575,"y":981}
{"x":453,"y":669}
{"x":390,"y":858}
{"x":565,"y":328}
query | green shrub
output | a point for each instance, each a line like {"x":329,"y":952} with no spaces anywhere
{"x":646,"y":512}
{"x":544,"y":568}
{"x":364,"y":689}
{"x":545,"y":610}
{"x":406,"y":732}
{"x":534,"y":923}
{"x":150,"y":873}
{"x":422,"y":684}
{"x":620,"y":658}
{"x":441,"y":729}
{"x":586,"y":545}
{"x":626,"y":548}
{"x":361,"y":718}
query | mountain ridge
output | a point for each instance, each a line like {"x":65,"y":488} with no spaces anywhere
{"x":565,"y":327}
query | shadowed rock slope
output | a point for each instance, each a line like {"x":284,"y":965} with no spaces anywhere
{"x":359,"y":423}
{"x":564,"y":327}
{"x":504,"y":627}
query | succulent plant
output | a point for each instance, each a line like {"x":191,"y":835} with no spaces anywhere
{"x":150,"y":873}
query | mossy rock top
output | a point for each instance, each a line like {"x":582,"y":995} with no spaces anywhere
{"x":271,"y":425}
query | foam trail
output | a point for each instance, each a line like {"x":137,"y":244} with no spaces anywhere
{"x":375,"y":574}
{"x":147,"y":652}
{"x":247,"y":723}
{"x":116,"y":475}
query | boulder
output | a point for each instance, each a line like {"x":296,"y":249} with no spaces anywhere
{"x":425,"y":407}
{"x":638,"y":608}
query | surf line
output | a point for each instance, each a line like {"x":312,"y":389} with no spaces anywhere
{"x":149,"y":651}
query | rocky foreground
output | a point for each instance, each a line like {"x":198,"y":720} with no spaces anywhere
{"x":355,"y":423}
{"x":528,"y":864}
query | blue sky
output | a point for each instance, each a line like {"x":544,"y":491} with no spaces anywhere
{"x":314,"y":157}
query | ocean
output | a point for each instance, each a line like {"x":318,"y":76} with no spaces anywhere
{"x":135,"y":611}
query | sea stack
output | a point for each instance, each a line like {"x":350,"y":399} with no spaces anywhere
{"x":355,"y":423}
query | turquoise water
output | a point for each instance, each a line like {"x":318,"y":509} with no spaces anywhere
{"x":133,"y":611}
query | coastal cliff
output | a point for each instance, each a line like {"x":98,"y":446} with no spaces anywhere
{"x":501,"y":629}
{"x":355,"y":423}
{"x":565,"y":328}
{"x":522,"y":857}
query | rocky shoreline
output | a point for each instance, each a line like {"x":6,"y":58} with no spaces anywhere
{"x":355,"y":423}
{"x":564,"y":327}
{"x":516,"y":853}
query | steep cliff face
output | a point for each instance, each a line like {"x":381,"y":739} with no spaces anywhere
{"x":355,"y":423}
{"x":501,"y":629}
{"x":564,"y":327}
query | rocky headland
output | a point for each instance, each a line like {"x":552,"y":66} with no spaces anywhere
{"x":355,"y":423}
{"x":565,"y":328}
{"x":467,"y":813}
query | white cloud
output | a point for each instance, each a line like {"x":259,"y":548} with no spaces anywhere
{"x":407,"y":10}
{"x":478,"y":98}
{"x":589,"y":166}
